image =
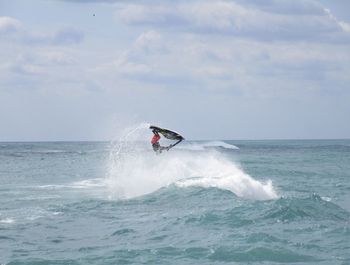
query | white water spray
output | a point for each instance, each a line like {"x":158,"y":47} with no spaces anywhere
{"x":135,"y":170}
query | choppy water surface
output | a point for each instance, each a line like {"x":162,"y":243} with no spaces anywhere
{"x":236,"y":202}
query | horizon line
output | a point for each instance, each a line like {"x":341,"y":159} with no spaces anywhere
{"x":262,"y":139}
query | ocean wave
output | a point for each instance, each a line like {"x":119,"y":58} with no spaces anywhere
{"x":134,"y":171}
{"x":139,"y":175}
{"x":259,"y":254}
{"x":24,"y":215}
{"x":235,"y":181}
{"x":7,"y":221}
{"x":82,"y":184}
{"x":201,"y":146}
{"x":313,"y":207}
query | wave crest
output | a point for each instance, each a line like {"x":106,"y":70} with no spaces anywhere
{"x":201,"y":146}
{"x":135,"y":171}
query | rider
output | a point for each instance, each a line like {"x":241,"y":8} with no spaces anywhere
{"x":155,"y":143}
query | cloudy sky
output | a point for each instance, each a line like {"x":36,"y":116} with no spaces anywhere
{"x":256,"y":69}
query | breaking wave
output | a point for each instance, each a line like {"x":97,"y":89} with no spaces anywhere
{"x":135,"y":170}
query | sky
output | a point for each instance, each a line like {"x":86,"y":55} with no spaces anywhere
{"x":242,"y":69}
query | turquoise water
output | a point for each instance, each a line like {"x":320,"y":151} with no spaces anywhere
{"x":221,"y":202}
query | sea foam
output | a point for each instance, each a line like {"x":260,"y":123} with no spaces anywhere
{"x":135,"y":171}
{"x":203,"y":145}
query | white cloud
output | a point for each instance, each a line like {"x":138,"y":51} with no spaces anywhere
{"x":286,"y":7}
{"x":20,"y":34}
{"x":9,"y":24}
{"x":244,"y":60}
{"x":57,"y":57}
{"x":28,"y":69}
{"x":64,"y":36}
{"x":46,"y":57}
{"x":135,"y":62}
{"x":149,"y":41}
{"x":221,"y":16}
{"x":125,"y":66}
{"x":345,"y":26}
{"x":149,"y":14}
{"x":214,"y":62}
{"x":306,"y":20}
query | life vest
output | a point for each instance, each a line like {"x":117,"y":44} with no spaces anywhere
{"x":155,"y":139}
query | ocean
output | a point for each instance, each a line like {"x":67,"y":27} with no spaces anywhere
{"x":203,"y":202}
